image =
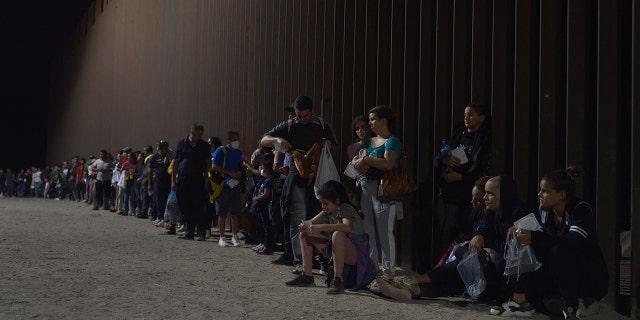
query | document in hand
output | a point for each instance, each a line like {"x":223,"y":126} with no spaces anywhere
{"x":528,"y":222}
{"x":460,"y":154}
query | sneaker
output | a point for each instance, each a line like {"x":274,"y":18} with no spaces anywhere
{"x":387,"y":289}
{"x":258,"y":247}
{"x":172,"y":230}
{"x":240,"y":235}
{"x":200,"y":238}
{"x":235,"y":241}
{"x":187,"y":236}
{"x":570,"y":313}
{"x":284,"y":259}
{"x":182,"y":227}
{"x":387,"y":276}
{"x":222,"y":242}
{"x":322,"y":271}
{"x":297,"y":269}
{"x":207,"y":234}
{"x":373,"y":286}
{"x":337,"y":287}
{"x":588,"y":307}
{"x":301,"y":281}
{"x":514,"y":309}
{"x":265,"y":251}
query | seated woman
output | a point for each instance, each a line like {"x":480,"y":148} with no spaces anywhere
{"x":472,"y":219}
{"x":572,"y":262}
{"x":338,"y":231}
{"x":502,"y":209}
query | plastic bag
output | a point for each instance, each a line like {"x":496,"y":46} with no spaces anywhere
{"x":519,"y":259}
{"x":327,"y":170}
{"x":172,"y":211}
{"x":470,"y":270}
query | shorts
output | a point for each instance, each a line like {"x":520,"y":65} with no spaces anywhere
{"x":229,"y":202}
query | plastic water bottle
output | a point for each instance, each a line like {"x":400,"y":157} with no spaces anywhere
{"x":445,"y":150}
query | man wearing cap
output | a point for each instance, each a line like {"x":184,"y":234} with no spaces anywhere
{"x":300,"y":132}
{"x":193,"y":159}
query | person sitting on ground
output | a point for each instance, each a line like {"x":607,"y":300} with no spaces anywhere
{"x":502,"y":210}
{"x":475,"y":215}
{"x":572,"y":262}
{"x":338,"y":231}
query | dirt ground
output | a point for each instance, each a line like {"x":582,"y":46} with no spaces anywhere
{"x":59,"y":262}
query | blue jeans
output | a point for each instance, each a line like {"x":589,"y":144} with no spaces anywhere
{"x":130,"y":198}
{"x":297,"y":212}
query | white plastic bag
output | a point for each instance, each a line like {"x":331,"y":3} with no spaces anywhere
{"x":327,"y":170}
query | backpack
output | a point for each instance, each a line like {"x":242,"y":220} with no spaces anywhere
{"x":215,"y":180}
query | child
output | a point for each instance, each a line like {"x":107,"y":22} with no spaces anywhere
{"x":260,"y":204}
{"x":338,"y":231}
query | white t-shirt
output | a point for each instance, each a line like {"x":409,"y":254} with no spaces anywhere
{"x":102,"y":165}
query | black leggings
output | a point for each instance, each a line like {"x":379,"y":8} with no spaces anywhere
{"x":572,"y":272}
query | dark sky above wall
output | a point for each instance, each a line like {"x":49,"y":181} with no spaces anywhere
{"x":30,"y":32}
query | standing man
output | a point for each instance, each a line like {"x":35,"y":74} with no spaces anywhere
{"x":301,"y":132}
{"x":192,"y":160}
{"x":228,"y":161}
{"x":144,"y":195}
{"x":71,"y":176}
{"x":103,"y":179}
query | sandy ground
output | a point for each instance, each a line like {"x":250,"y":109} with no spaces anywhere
{"x":58,"y":262}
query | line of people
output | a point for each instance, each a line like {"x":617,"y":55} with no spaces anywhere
{"x":344,"y":229}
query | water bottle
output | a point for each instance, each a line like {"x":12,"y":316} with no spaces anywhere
{"x":445,"y":150}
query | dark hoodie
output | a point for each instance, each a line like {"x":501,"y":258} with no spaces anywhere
{"x":477,"y":146}
{"x":576,"y":229}
{"x":494,"y":227}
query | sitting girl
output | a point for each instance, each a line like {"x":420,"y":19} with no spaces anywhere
{"x":572,"y":262}
{"x":338,"y":231}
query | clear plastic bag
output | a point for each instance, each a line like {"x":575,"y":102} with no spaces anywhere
{"x":470,"y":271}
{"x":519,"y":259}
{"x":172,"y":210}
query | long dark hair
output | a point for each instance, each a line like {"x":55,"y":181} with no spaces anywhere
{"x":334,"y":190}
{"x":563,"y":180}
{"x":360,"y":118}
{"x":385,"y":112}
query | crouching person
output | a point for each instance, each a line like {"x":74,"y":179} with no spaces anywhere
{"x":337,"y":231}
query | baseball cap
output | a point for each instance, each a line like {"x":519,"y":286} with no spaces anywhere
{"x":163,"y":143}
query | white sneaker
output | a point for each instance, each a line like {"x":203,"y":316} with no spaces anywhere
{"x":513,"y":309}
{"x":389,"y":290}
{"x":258,"y":247}
{"x":235,"y":241}
{"x":222,"y":242}
{"x":591,"y":310}
{"x":240,"y":235}
{"x":182,"y":227}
